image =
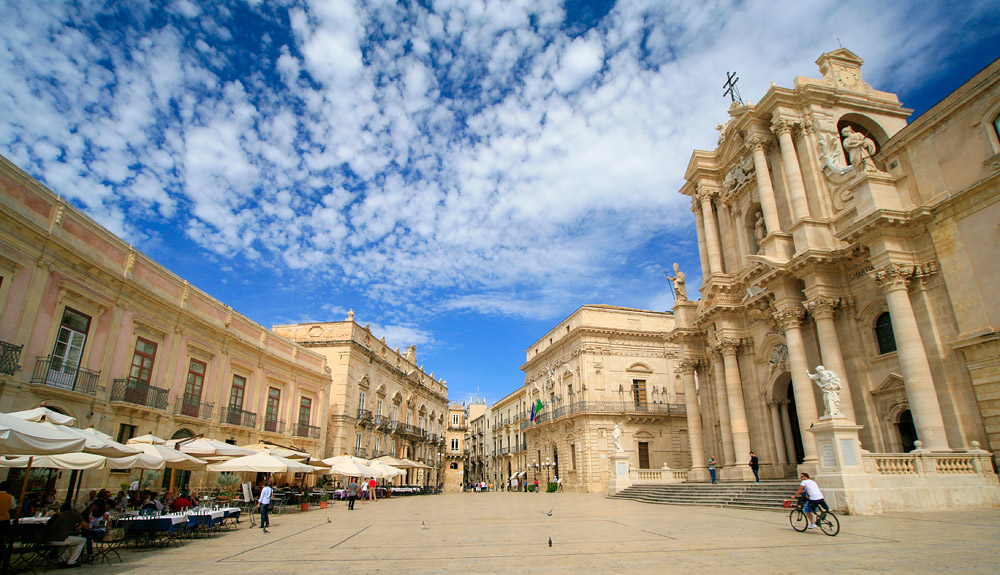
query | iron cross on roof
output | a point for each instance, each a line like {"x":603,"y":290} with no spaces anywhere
{"x":731,"y":90}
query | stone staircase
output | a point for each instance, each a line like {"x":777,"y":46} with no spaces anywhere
{"x":767,"y":495}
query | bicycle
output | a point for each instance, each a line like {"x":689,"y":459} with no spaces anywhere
{"x":825,"y":520}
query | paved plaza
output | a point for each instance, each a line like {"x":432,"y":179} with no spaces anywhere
{"x":509,"y":533}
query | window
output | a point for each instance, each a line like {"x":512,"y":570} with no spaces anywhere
{"x":455,"y":420}
{"x":378,"y":406}
{"x":305,"y":409}
{"x":192,"y":388}
{"x":454,"y":444}
{"x":454,"y":465}
{"x":572,"y":456}
{"x":271,"y":412}
{"x":361,"y":400}
{"x":236,"y":393}
{"x":639,"y":392}
{"x":395,"y":414}
{"x":884,"y":335}
{"x":142,"y":361}
{"x":996,"y":125}
{"x":392,"y":448}
{"x":378,"y":443}
{"x":409,"y":417}
{"x":357,"y":442}
{"x":125,"y":432}
{"x":68,"y":349}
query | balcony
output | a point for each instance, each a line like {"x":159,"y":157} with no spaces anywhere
{"x":54,"y":372}
{"x":382,"y":421}
{"x":273,"y":426}
{"x":9,"y":354}
{"x":190,"y":408}
{"x":238,"y":417}
{"x":622,"y":407}
{"x":306,"y":430}
{"x":138,"y":393}
{"x":361,"y":452}
{"x":364,"y":415}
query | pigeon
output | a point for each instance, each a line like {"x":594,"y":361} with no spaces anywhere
{"x":423,"y":525}
{"x":549,"y":512}
{"x":550,"y":542}
{"x":328,"y":520}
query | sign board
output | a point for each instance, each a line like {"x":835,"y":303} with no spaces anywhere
{"x":247,"y":492}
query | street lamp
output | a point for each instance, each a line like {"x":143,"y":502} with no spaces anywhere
{"x":534,"y":468}
{"x":547,"y":465}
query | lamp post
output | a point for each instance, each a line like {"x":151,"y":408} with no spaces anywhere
{"x":547,"y":464}
{"x":534,"y":468}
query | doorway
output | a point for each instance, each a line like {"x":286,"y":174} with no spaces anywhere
{"x":907,"y":431}
{"x":643,"y":455}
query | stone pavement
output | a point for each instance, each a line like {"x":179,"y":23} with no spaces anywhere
{"x":509,"y":532}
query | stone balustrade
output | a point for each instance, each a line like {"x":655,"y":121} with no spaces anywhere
{"x":972,"y":462}
{"x":662,"y":475}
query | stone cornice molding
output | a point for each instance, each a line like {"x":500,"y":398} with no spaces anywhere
{"x":892,"y":277}
{"x":789,"y":317}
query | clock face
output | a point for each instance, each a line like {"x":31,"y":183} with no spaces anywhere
{"x":849,"y":78}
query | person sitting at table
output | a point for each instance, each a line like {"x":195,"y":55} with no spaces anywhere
{"x":166,"y":500}
{"x":150,"y":505}
{"x":181,"y":503}
{"x":30,"y":505}
{"x":58,"y":532}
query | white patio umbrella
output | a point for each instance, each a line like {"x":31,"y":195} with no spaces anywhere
{"x":205,"y":447}
{"x":148,"y":438}
{"x":22,"y":437}
{"x":349,"y":468}
{"x":390,"y":460}
{"x":173,"y":459}
{"x":387,"y":471}
{"x":277,"y":450}
{"x":40,"y":414}
{"x":82,"y":461}
{"x":262,"y":463}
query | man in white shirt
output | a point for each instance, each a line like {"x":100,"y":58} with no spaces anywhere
{"x":265,"y":502}
{"x":815,"y":498}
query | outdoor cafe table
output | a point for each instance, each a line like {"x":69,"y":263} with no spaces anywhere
{"x":152,"y":526}
{"x":34,"y":520}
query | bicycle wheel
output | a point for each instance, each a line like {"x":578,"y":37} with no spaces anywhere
{"x":829,"y":523}
{"x":798,"y":520}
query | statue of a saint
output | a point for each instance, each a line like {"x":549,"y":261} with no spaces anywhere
{"x":678,"y":281}
{"x":860,"y":149}
{"x":759,"y":231}
{"x":616,"y":436}
{"x":829,"y":382}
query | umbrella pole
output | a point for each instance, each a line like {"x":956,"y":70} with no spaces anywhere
{"x":73,"y":476}
{"x":171,"y":491}
{"x":138,"y":491}
{"x":79,"y":482}
{"x":24,"y":487}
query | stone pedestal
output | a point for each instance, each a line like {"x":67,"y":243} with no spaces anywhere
{"x":620,"y":479}
{"x":838,"y":449}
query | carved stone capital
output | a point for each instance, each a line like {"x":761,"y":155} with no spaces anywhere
{"x":891,"y":277}
{"x":706,"y":193}
{"x":687,"y":366}
{"x":754,"y":143}
{"x":782,"y":127}
{"x":729,"y":345}
{"x":789,"y":317}
{"x":822,"y":306}
{"x":696,"y":206}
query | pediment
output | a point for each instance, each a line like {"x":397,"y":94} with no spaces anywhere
{"x":893,"y":382}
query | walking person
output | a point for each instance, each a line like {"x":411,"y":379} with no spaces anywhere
{"x":755,"y":466}
{"x":264,"y":500}
{"x":711,"y":468}
{"x":372,"y":484}
{"x":352,"y":493}
{"x":364,"y":490}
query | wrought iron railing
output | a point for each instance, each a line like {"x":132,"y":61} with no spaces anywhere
{"x":54,"y":372}
{"x":624,"y":407}
{"x":9,"y":354}
{"x":306,"y":430}
{"x":236,"y":416}
{"x":382,"y":421}
{"x":361,"y":452}
{"x":364,"y":415}
{"x":139,"y":393}
{"x":189,"y":407}
{"x":273,"y":425}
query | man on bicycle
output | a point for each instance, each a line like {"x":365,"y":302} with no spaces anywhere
{"x":815,"y":498}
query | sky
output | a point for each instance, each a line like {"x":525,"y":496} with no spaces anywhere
{"x":462,"y":174}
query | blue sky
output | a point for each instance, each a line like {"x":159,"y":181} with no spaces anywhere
{"x":462,"y":174}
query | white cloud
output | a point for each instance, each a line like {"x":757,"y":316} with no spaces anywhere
{"x":582,"y":59}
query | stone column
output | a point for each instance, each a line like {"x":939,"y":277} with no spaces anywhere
{"x":737,"y":409}
{"x":695,"y":438}
{"x":765,"y":190}
{"x":779,"y":436}
{"x":793,"y":175}
{"x":711,"y":229}
{"x":722,"y":404}
{"x":736,"y":217}
{"x":822,"y":310}
{"x":786,"y":427}
{"x":917,"y":378}
{"x":700,"y":228}
{"x":790,"y":319}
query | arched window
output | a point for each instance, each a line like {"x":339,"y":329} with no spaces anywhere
{"x":996,"y":125}
{"x":883,"y":334}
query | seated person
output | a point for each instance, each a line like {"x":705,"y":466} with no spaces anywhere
{"x":58,"y":532}
{"x":30,"y":505}
{"x":150,"y":505}
{"x":181,"y":503}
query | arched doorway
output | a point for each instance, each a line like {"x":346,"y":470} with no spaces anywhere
{"x":907,"y":431}
{"x":793,"y":418}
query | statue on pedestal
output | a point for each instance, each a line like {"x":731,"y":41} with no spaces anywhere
{"x":829,"y":382}
{"x":860,"y":150}
{"x":678,"y":280}
{"x":759,"y":231}
{"x":616,"y":436}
